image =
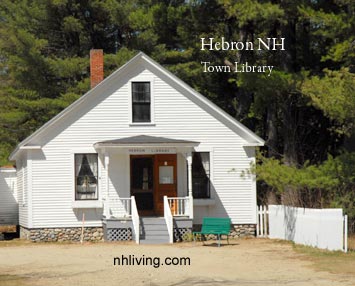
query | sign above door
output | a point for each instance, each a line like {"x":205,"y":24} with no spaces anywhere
{"x":156,"y":150}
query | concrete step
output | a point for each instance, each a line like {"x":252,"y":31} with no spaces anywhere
{"x":152,"y":221}
{"x":154,"y":234}
{"x":153,"y":230}
{"x":152,"y":227}
{"x":164,"y":239}
{"x":150,"y":241}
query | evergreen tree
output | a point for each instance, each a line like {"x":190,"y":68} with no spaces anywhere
{"x":304,"y":110}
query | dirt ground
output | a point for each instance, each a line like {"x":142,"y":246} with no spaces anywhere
{"x":243,"y":262}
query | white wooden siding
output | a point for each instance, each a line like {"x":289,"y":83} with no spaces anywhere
{"x":22,"y":190}
{"x":19,"y":173}
{"x":106,"y":117}
{"x":8,"y":196}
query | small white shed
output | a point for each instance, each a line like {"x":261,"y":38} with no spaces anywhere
{"x":8,"y":196}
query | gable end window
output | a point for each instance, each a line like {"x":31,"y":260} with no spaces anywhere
{"x":86,"y":177}
{"x":141,"y":102}
{"x":201,"y":175}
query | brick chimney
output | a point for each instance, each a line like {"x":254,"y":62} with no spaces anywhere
{"x":96,"y":67}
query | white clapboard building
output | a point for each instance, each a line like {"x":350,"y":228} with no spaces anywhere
{"x":141,"y":156}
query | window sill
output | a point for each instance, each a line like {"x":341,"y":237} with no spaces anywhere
{"x":204,"y":202}
{"x":87,"y":204}
{"x":142,"y":124}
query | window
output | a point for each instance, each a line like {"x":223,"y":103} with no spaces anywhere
{"x":201,"y":175}
{"x":166,"y":175}
{"x":141,"y":111}
{"x":86,"y":177}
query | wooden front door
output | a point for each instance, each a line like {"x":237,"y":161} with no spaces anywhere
{"x":165,"y":181}
{"x":142,"y":183}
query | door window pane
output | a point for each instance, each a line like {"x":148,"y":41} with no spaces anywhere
{"x":142,"y":173}
{"x":166,"y":175}
{"x":142,"y":182}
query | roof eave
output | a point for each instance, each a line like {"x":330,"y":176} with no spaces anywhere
{"x":13,"y":155}
{"x":146,"y":145}
{"x":254,"y":144}
{"x":19,"y":148}
{"x":254,"y":137}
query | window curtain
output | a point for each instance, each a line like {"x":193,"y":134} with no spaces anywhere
{"x":78,"y":167}
{"x":86,"y":171}
{"x":92,"y":160}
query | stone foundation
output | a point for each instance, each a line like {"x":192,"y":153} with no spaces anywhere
{"x":238,"y":230}
{"x":61,"y":234}
{"x":96,"y":233}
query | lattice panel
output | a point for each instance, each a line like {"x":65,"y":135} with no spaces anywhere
{"x":181,"y":233}
{"x":117,"y":234}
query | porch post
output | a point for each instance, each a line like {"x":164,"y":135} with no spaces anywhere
{"x":189,"y":171}
{"x":107,"y":196}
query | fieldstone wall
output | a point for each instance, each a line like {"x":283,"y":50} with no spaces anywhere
{"x":25,"y":233}
{"x":243,"y":230}
{"x":96,"y":233}
{"x":238,"y":230}
{"x":62,"y":234}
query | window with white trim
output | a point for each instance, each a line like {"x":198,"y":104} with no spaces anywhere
{"x":141,"y":102}
{"x":86,"y":177}
{"x":201,"y":175}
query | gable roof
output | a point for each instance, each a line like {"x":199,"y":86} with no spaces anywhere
{"x":251,"y":138}
{"x":144,"y":139}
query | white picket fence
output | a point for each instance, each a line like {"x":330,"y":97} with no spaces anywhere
{"x":262,"y":226}
{"x":322,"y":228}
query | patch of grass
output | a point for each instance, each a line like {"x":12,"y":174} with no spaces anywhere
{"x":351,"y":242}
{"x":331,"y":261}
{"x":11,"y":280}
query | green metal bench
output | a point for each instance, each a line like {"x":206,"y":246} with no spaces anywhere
{"x":214,"y":225}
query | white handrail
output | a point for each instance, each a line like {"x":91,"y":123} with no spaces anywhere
{"x":191,"y":207}
{"x":178,"y":206}
{"x":135,"y":219}
{"x":120,"y":207}
{"x":168,"y":219}
{"x":181,"y":206}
